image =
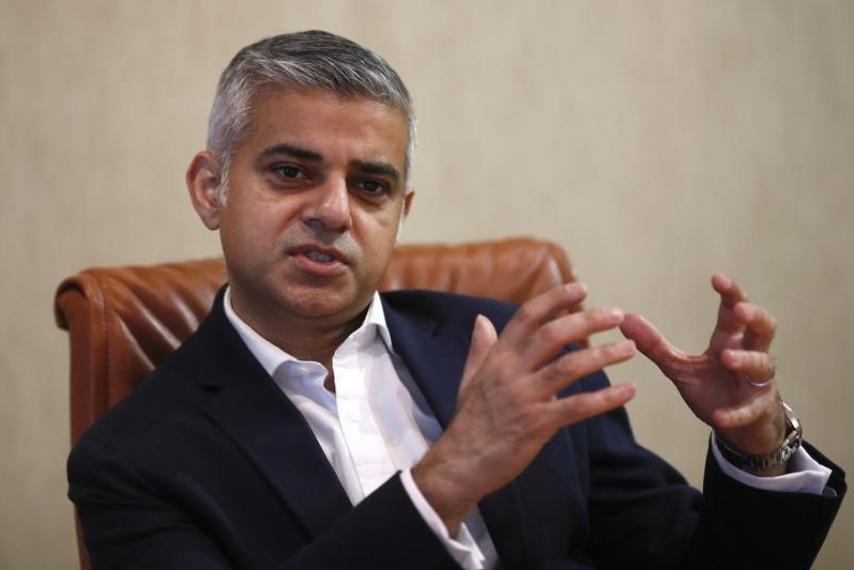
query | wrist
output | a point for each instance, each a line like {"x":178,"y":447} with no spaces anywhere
{"x":774,"y":462}
{"x":763,"y":436}
{"x":443,"y":485}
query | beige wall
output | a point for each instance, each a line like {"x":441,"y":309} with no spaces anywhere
{"x":658,"y":141}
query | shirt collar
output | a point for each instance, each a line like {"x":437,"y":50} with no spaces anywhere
{"x":271,"y":356}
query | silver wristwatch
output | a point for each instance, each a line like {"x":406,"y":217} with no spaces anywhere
{"x":759,"y":463}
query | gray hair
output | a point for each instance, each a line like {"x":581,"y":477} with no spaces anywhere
{"x":309,"y":60}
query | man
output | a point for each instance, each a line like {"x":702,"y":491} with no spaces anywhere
{"x":312,"y":423}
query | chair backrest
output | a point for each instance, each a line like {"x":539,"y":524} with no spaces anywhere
{"x":123,"y":322}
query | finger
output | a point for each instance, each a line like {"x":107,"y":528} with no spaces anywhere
{"x":579,"y":407}
{"x":761,"y":326}
{"x":541,"y":309}
{"x":483,"y":337}
{"x":730,"y":291}
{"x":570,"y":367}
{"x":652,"y":343}
{"x":551,"y":338}
{"x":727,"y":324}
{"x":752,"y":366}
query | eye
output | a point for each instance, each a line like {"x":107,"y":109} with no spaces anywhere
{"x":287,"y":171}
{"x":372,"y":187}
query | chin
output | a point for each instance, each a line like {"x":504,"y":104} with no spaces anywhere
{"x":324,"y":304}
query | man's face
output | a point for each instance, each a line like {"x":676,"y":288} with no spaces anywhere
{"x":315,"y":196}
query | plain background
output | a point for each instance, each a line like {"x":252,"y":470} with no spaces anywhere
{"x":657,"y":141}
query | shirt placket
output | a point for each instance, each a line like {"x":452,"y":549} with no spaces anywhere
{"x":371,"y":459}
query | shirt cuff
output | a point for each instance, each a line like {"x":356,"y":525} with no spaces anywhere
{"x":805,"y":474}
{"x":462,"y":548}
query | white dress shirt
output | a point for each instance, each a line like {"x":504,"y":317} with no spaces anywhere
{"x":375,"y":424}
{"x":378,"y":423}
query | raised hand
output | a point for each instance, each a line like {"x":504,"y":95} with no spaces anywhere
{"x":507,"y":407}
{"x":731,"y":385}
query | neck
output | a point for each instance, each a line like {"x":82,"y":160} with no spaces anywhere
{"x":305,"y":338}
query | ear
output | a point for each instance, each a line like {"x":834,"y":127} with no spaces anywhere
{"x":407,"y":201}
{"x":407,"y":204}
{"x":203,"y":182}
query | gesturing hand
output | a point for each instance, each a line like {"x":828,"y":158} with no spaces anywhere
{"x":731,"y":385}
{"x":507,"y":407}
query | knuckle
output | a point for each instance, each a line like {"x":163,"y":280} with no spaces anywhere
{"x":609,"y":351}
{"x":568,"y":366}
{"x":549,"y":334}
{"x":524,"y":315}
{"x":553,"y":374}
{"x":592,"y":317}
{"x":589,"y":320}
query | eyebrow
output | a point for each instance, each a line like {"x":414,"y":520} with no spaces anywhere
{"x":377,"y":168}
{"x":292,"y":150}
{"x":365,"y":167}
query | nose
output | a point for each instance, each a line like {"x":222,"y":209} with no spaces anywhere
{"x":328,"y":208}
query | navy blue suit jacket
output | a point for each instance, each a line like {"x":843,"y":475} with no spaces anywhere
{"x":208,"y":465}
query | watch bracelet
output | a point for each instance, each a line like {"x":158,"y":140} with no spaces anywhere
{"x":758,"y":463}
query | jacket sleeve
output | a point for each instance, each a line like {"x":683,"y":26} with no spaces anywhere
{"x":644,"y":514}
{"x":130,"y":524}
{"x":744,"y":527}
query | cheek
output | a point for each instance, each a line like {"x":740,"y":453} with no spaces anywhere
{"x":246,"y":236}
{"x":259,"y":221}
{"x":378,"y":232}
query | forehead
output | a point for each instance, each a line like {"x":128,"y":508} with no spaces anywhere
{"x":360,"y":127}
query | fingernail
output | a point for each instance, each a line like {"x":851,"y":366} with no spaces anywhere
{"x":613,"y":312}
{"x":577,"y":287}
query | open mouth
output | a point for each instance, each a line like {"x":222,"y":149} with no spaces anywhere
{"x":319,"y":260}
{"x":319,"y":256}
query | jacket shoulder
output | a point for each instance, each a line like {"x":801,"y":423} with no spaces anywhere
{"x":172,"y":390}
{"x":449,"y":309}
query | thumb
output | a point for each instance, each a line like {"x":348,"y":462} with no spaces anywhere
{"x":483,"y":336}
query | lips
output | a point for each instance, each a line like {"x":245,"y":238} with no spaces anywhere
{"x":319,"y":254}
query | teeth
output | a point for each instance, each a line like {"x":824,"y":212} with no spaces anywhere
{"x":319,"y":256}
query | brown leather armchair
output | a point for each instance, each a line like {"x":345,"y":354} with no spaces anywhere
{"x":123,"y":322}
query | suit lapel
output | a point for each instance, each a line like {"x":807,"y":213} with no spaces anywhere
{"x":436,"y":361}
{"x":245,"y":402}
